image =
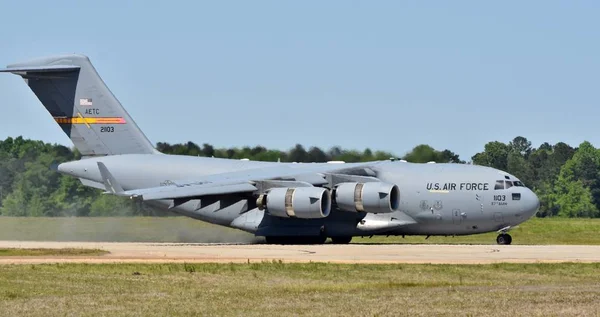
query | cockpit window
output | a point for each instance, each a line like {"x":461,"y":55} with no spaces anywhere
{"x":516,"y":196}
{"x":499,"y":185}
{"x":502,"y":184}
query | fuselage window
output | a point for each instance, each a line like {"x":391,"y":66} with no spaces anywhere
{"x":509,"y":184}
{"x":516,"y":196}
{"x":499,"y":185}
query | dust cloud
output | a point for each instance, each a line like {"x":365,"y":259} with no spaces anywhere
{"x":119,"y":229}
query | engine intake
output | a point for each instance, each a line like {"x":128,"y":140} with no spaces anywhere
{"x":372,"y":197}
{"x":301,"y":202}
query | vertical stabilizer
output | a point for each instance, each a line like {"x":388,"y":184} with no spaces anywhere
{"x":79,"y":101}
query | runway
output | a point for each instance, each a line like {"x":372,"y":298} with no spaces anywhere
{"x":353,"y":253}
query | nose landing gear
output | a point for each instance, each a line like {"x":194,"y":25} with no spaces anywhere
{"x":504,"y":238}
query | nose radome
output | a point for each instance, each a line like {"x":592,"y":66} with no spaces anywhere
{"x":531,"y":203}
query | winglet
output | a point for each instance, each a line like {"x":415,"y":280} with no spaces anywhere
{"x":111,"y":184}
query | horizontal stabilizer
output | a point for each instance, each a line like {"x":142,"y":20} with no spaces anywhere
{"x":40,"y":69}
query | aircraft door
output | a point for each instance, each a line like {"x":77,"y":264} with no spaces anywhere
{"x":456,"y":216}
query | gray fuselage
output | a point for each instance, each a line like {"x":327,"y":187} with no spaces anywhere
{"x":436,"y":199}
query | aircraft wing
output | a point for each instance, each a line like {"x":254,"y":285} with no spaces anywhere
{"x":176,"y":192}
{"x":244,"y":181}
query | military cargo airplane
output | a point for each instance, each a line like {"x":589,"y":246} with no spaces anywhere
{"x":283,"y":202}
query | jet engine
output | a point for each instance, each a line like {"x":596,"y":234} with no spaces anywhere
{"x":372,"y":197}
{"x":301,"y":202}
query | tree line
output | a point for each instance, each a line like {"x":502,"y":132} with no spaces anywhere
{"x":566,"y":179}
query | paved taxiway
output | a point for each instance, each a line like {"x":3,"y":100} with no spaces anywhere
{"x":354,"y":253}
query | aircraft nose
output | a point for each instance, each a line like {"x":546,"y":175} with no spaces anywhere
{"x":531,"y":203}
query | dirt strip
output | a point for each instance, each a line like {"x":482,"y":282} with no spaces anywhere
{"x":353,"y":253}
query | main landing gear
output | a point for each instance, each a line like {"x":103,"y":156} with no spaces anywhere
{"x":504,"y":238}
{"x":296,"y":239}
{"x":307,"y":240}
{"x":341,"y":240}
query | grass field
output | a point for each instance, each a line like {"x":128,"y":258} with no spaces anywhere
{"x":52,"y":252}
{"x":275,"y":289}
{"x":534,"y":231}
{"x":181,"y":229}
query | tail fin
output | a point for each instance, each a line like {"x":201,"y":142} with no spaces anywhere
{"x":87,"y":111}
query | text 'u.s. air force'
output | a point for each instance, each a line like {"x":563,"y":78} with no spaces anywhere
{"x":458,"y":186}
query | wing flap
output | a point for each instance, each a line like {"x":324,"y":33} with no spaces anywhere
{"x":175,"y":192}
{"x":172,"y":191}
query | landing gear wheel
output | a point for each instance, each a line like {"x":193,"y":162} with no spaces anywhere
{"x":273,"y":240}
{"x":341,"y":240}
{"x":321,"y":239}
{"x":504,"y":239}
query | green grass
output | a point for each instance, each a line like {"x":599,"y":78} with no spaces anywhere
{"x":51,"y":252}
{"x":314,"y":289}
{"x":534,"y":231}
{"x":181,"y":229}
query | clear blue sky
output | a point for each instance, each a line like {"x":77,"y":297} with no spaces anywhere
{"x":387,"y":75}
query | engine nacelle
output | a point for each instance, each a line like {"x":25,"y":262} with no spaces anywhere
{"x":373,"y":197}
{"x":300,"y":202}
